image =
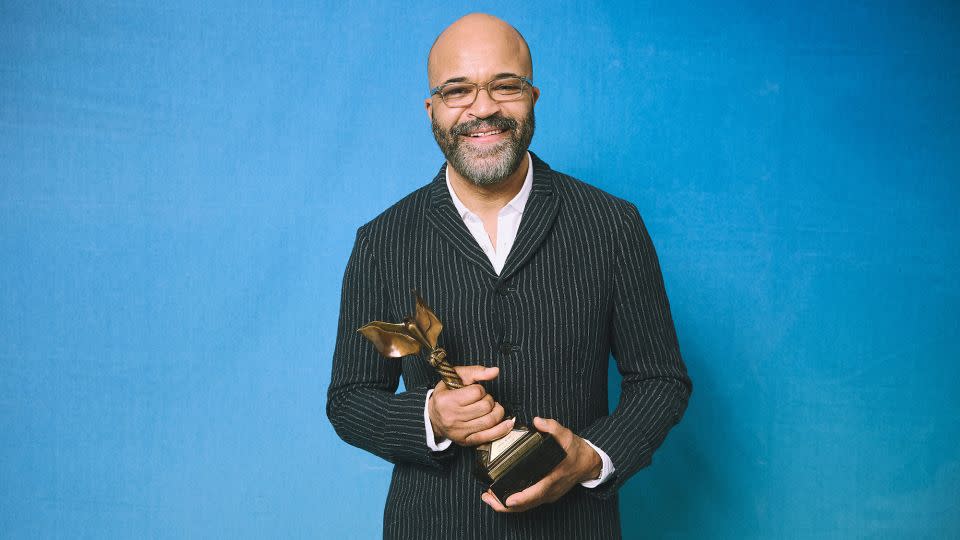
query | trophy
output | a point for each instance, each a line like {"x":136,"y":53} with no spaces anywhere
{"x":508,"y":465}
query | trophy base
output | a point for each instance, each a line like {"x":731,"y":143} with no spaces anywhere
{"x":529,"y":457}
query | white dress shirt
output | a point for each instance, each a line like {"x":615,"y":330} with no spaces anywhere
{"x":508,"y":223}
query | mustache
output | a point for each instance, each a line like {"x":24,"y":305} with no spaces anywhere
{"x":493,"y":122}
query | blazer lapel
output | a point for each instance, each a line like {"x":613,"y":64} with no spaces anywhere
{"x":442,"y":214}
{"x":539,"y":216}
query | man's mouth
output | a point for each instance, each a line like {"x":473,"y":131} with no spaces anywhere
{"x":485,"y":133}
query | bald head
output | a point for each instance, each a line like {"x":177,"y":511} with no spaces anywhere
{"x":465,"y":43}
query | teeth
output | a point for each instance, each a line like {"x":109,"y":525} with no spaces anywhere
{"x":485,"y":133}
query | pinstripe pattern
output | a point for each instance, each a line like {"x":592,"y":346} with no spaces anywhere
{"x":582,"y":281}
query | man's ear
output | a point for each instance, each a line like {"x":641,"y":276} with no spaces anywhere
{"x":535,"y":92}
{"x":428,"y":105}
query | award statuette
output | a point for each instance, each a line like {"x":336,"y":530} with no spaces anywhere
{"x":508,"y":465}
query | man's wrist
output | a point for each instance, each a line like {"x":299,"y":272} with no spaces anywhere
{"x":429,"y":411}
{"x":594,"y":465}
{"x":435,"y":442}
{"x":606,"y":467}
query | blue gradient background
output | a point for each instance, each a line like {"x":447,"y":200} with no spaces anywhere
{"x":180,"y":186}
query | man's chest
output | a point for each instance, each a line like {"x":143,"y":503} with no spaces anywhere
{"x":559,"y":299}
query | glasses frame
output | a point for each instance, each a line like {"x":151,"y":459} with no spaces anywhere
{"x":477,"y":87}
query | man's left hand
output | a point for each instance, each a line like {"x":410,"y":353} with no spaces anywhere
{"x":581,"y":464}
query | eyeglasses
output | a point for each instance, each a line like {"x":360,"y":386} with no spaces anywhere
{"x":463,"y":94}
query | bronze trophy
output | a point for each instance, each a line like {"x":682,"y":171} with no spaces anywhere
{"x":507,"y":465}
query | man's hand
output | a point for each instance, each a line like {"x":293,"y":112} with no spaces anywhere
{"x":581,"y":464}
{"x":468,"y":416}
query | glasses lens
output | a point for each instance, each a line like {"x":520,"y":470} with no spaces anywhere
{"x":458,"y":94}
{"x":506,"y":89}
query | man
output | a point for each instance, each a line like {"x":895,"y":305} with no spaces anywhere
{"x":537,"y":278}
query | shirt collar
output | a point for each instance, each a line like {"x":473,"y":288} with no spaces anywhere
{"x":517,"y":203}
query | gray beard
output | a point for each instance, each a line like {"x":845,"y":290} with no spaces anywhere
{"x":491,"y":166}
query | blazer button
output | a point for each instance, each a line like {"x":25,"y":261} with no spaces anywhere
{"x":506,"y":347}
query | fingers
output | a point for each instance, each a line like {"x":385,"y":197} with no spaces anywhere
{"x":473,"y":374}
{"x":468,"y":415}
{"x":547,"y":425}
{"x":470,"y":399}
{"x":563,"y":435}
{"x":474,"y":419}
{"x":460,"y":396}
{"x":492,"y":434}
{"x":530,"y":497}
{"x":491,"y":500}
{"x":490,"y":422}
{"x":475,"y":409}
{"x":551,"y":487}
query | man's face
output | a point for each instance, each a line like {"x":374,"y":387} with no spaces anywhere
{"x":486,"y":141}
{"x":485,"y":150}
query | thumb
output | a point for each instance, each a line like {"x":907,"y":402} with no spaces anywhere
{"x":472,"y":374}
{"x":546,"y":425}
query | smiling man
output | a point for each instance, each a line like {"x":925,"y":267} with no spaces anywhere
{"x":538,"y":278}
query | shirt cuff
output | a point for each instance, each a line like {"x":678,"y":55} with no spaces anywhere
{"x":443,"y":444}
{"x":605,"y":470}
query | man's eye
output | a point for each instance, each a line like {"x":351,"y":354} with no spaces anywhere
{"x":510,"y":85}
{"x":456,"y":91}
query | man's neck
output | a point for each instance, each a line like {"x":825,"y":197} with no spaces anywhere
{"x":487,"y":200}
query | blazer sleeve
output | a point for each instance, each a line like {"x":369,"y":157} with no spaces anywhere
{"x":362,"y":402}
{"x":655,"y":387}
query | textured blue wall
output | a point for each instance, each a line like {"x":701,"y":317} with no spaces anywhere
{"x":180,"y":186}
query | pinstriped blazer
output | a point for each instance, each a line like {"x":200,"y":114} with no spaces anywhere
{"x":582,"y":282}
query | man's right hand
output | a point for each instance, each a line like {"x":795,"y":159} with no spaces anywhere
{"x":468,"y":416}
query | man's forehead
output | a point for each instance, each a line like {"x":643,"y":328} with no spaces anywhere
{"x":478,"y":45}
{"x":484,"y":60}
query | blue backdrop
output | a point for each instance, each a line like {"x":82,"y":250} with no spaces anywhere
{"x":180,"y":186}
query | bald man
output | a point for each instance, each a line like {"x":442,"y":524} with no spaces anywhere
{"x":538,"y":278}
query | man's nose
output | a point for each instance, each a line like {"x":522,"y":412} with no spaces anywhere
{"x":484,"y":106}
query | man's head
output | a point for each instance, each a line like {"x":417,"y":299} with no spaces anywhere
{"x":485,"y":141}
